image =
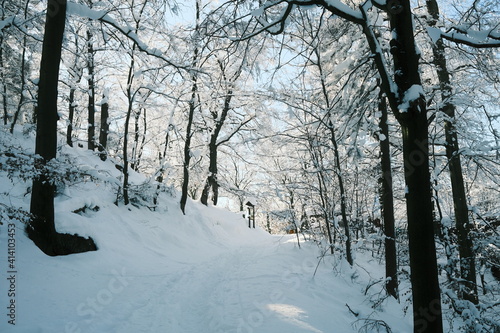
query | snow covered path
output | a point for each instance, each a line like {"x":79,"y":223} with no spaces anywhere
{"x":168,"y":273}
{"x":261,"y":288}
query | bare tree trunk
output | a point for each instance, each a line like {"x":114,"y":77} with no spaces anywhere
{"x":192,"y":108}
{"x":140,"y":150}
{"x":317,"y":159}
{"x":161,"y":158}
{"x":130,"y":100}
{"x":343,"y":195}
{"x":133,"y":163}
{"x":71,"y":116}
{"x":187,"y":143}
{"x":41,"y":228}
{"x":468,"y":288}
{"x":75,"y":74}
{"x":326,"y":216}
{"x":212,"y":183}
{"x":91,"y":90}
{"x":104,"y":128}
{"x":387,"y":204}
{"x":292,"y":209}
{"x":414,"y":124}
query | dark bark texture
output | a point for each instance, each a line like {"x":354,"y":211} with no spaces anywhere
{"x":104,"y":129}
{"x":41,"y":228}
{"x":387,"y":204}
{"x":414,"y":125}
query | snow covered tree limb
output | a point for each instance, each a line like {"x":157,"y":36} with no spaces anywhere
{"x":102,"y":16}
{"x":7,"y":23}
{"x":387,"y":83}
{"x":240,"y":126}
{"x":277,"y":26}
{"x":336,"y":7}
{"x":20,"y":24}
{"x":477,"y":39}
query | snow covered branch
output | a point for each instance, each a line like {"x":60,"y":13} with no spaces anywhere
{"x":102,"y":16}
{"x":387,"y":83}
{"x":9,"y":21}
{"x":240,"y":126}
{"x":470,"y":37}
{"x":278,"y":25}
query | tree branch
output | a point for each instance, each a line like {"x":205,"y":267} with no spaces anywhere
{"x":102,"y":16}
{"x":235,"y":131}
{"x":469,"y":37}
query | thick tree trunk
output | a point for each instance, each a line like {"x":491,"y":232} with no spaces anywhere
{"x":42,"y":198}
{"x":414,"y":125}
{"x":424,"y":273}
{"x":387,"y":204}
{"x":41,"y":229}
{"x":467,"y":259}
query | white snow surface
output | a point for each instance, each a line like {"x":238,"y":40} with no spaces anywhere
{"x":344,"y":8}
{"x":161,"y":271}
{"x":411,"y":95}
{"x":434,"y":34}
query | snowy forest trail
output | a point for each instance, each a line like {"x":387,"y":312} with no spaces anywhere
{"x":167,"y":273}
{"x":243,"y":289}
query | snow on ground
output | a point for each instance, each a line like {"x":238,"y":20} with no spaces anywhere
{"x":161,"y":271}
